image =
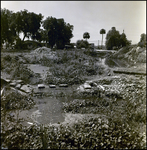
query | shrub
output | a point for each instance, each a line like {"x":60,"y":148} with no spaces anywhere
{"x":7,"y":58}
{"x":82,"y":44}
{"x":142,"y":42}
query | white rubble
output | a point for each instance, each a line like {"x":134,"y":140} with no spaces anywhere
{"x":41,"y":86}
{"x":26,"y":88}
{"x":18,"y":86}
{"x":52,"y":86}
{"x":63,"y":85}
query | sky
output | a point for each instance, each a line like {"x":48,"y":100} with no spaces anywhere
{"x":91,"y":16}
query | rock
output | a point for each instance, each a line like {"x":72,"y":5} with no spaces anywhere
{"x":26,"y":88}
{"x":41,"y":86}
{"x":101,"y":88}
{"x":19,"y":81}
{"x":8,"y":81}
{"x":63,"y":85}
{"x":13,"y":84}
{"x":52,"y":86}
{"x":86,"y":86}
{"x":30,"y":123}
{"x":80,"y":88}
{"x":92,"y":84}
{"x":18,"y":86}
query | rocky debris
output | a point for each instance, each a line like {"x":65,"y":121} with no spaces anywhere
{"x":108,"y":87}
{"x":52,"y":86}
{"x":18,"y":86}
{"x":19,"y":81}
{"x":41,"y":86}
{"x":131,"y":55}
{"x":13,"y":84}
{"x":86,"y":86}
{"x":8,"y":81}
{"x":26,"y":88}
{"x":43,"y":51}
{"x":19,"y":91}
{"x":2,"y":92}
{"x":63,"y":85}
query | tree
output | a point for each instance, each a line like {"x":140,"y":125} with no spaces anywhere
{"x":28,"y":23}
{"x":8,"y":33}
{"x":50,"y":25}
{"x":114,"y":39}
{"x":102,"y":31}
{"x":41,"y":35}
{"x":123,"y":40}
{"x":142,"y":42}
{"x":82,"y":44}
{"x":59,"y":32}
{"x":86,"y":35}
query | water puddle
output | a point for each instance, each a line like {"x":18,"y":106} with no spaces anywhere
{"x":37,"y":68}
{"x":47,"y":110}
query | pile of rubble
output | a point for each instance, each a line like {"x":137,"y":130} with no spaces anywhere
{"x":132,"y":54}
{"x":111,"y":86}
{"x":15,"y":85}
{"x":43,"y":52}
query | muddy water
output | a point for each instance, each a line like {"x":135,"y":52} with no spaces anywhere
{"x":47,"y":109}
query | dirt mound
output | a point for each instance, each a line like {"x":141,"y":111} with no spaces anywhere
{"x":133,"y":54}
{"x":42,"y":50}
{"x":129,"y":56}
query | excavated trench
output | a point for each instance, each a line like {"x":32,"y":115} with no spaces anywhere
{"x":48,"y":108}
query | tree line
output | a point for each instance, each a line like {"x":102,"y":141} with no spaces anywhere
{"x":114,"y":40}
{"x":52,"y":31}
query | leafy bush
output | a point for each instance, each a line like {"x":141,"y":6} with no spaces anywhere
{"x":89,"y":133}
{"x":23,"y":73}
{"x":82,"y":44}
{"x":19,"y":44}
{"x":7,"y":58}
{"x":142,"y":42}
{"x":14,"y":101}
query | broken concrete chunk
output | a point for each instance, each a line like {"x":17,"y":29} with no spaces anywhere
{"x":63,"y":85}
{"x":26,"y":88}
{"x":41,"y":86}
{"x":8,"y":80}
{"x":52,"y":86}
{"x":86,"y":86}
{"x":13,"y":84}
{"x":18,"y":86}
{"x":101,"y":88}
{"x":19,"y":81}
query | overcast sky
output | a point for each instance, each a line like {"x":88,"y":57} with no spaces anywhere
{"x":91,"y":16}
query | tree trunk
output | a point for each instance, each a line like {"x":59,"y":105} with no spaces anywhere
{"x":24,"y":37}
{"x":102,"y":41}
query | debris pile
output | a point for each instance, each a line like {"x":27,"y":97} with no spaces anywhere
{"x":43,"y":52}
{"x":131,"y":54}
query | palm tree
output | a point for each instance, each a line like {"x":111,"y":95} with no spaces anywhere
{"x":102,"y":31}
{"x":86,"y":35}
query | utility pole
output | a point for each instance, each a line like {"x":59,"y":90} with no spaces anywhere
{"x":98,"y":43}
